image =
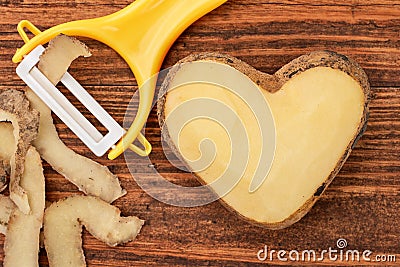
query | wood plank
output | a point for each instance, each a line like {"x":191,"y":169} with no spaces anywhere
{"x":362,"y":203}
{"x":252,"y":33}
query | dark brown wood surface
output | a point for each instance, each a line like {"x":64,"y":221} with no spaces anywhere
{"x":361,"y":205}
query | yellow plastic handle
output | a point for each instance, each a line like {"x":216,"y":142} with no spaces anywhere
{"x":142,"y":34}
{"x":27,"y":25}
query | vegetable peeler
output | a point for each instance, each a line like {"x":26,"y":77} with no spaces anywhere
{"x":141,"y":34}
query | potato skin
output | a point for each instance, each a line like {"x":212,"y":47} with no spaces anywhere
{"x":273,"y":83}
{"x":16,"y":108}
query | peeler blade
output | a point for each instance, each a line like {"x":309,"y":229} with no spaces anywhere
{"x":64,"y":109}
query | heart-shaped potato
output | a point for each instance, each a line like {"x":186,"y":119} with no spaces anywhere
{"x":319,"y":104}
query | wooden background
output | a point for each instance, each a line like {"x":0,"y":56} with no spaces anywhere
{"x":361,"y":205}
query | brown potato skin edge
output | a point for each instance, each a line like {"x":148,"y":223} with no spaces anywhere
{"x":273,"y":83}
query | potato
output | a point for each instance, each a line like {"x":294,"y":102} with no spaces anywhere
{"x":319,"y":103}
{"x":64,"y":219}
{"x":89,"y":176}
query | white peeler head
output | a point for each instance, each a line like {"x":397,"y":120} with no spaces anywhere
{"x":64,"y":109}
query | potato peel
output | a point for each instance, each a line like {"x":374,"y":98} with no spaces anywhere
{"x":4,"y":166}
{"x":6,"y":208}
{"x":21,"y":230}
{"x":7,"y":145}
{"x":21,"y":244}
{"x":89,"y":176}
{"x":15,"y":107}
{"x":7,"y":141}
{"x":63,"y":220}
{"x":61,"y":50}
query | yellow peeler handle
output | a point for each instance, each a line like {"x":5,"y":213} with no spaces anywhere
{"x":142,"y":34}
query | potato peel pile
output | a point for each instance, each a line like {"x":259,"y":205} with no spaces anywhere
{"x":30,"y":137}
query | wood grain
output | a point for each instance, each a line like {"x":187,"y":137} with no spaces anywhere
{"x":362,"y":203}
